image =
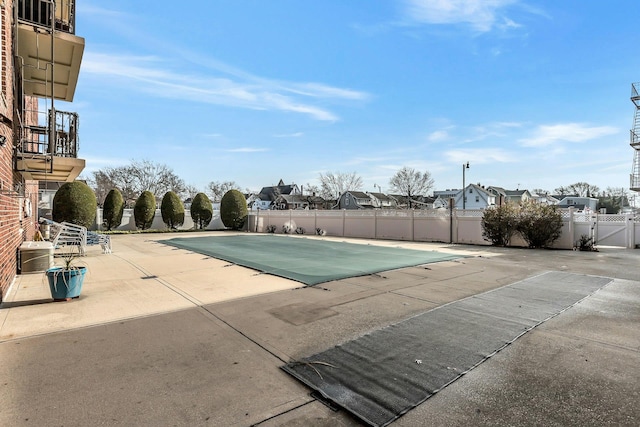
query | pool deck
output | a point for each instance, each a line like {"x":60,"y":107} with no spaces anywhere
{"x":163,"y":336}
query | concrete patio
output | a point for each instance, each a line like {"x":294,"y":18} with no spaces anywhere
{"x":163,"y":336}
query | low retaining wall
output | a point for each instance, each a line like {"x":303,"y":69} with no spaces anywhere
{"x":128,"y":222}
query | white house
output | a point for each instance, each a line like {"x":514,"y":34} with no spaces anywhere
{"x":383,"y":201}
{"x":442,"y":198}
{"x":476,"y":197}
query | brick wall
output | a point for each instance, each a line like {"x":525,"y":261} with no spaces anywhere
{"x":15,"y":227}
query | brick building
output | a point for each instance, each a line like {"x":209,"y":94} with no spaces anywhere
{"x":40,"y":62}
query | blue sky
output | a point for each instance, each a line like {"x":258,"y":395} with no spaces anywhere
{"x":534,"y":94}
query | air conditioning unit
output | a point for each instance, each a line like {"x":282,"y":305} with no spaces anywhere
{"x":36,"y":257}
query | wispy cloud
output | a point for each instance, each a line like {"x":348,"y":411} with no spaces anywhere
{"x":546,"y":135}
{"x":480,"y":155}
{"x":106,"y":161}
{"x":438,"y":136}
{"x":289,"y":135}
{"x":481,"y":15}
{"x":155,"y":76}
{"x":246,"y":150}
{"x":100,"y":11}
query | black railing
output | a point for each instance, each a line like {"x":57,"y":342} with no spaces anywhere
{"x":36,"y":137}
{"x":38,"y":12}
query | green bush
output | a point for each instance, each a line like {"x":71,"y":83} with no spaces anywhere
{"x":75,"y":202}
{"x":144,"y":210}
{"x":201,"y":211}
{"x":233,"y":209}
{"x":172,"y":210}
{"x":499,"y":224}
{"x":113,"y":209}
{"x":539,"y":224}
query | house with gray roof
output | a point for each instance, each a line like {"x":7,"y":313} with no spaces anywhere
{"x":265,"y":199}
{"x":509,"y":196}
{"x":355,"y":200}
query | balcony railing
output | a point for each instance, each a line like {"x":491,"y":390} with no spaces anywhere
{"x":38,"y":12}
{"x":35,"y":137}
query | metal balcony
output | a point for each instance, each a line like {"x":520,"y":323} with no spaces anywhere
{"x":38,"y":13}
{"x":39,"y":158}
{"x":48,"y":52}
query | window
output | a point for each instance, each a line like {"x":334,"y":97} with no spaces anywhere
{"x":477,"y":199}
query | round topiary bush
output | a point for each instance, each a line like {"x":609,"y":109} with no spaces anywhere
{"x":75,"y":202}
{"x":113,"y":209}
{"x":201,"y":211}
{"x":233,"y":209}
{"x":144,"y":210}
{"x":172,"y":210}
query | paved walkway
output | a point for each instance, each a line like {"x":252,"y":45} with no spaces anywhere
{"x":162,"y":336}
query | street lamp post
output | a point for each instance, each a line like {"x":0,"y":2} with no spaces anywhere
{"x":464,"y":195}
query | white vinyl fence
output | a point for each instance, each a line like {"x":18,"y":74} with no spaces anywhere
{"x":441,"y":225}
{"x":435,"y":225}
{"x":128,"y":222}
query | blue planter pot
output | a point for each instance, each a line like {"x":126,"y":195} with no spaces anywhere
{"x":65,"y":284}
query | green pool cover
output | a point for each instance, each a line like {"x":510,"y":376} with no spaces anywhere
{"x":307,"y":260}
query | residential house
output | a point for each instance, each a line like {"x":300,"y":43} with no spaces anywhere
{"x":442,"y":197}
{"x":299,"y":201}
{"x":518,"y":196}
{"x":476,"y":197}
{"x":383,"y":201}
{"x":268,"y":195}
{"x":509,"y":196}
{"x":355,"y":200}
{"x":35,"y":145}
{"x":417,"y":202}
{"x":545,"y":198}
{"x":580,"y":204}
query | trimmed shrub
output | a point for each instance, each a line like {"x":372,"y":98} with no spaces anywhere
{"x":144,"y":210}
{"x":539,"y":225}
{"x":585,"y":243}
{"x":113,"y":209}
{"x":75,"y":202}
{"x":201,"y":211}
{"x":499,"y":224}
{"x":172,"y":210}
{"x":233,"y":209}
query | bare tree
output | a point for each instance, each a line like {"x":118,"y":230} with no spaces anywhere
{"x":614,"y":199}
{"x":135,"y":178}
{"x":332,"y":185}
{"x":310,"y":190}
{"x":580,"y":189}
{"x":410,"y":183}
{"x":190,"y":191}
{"x":218,"y":188}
